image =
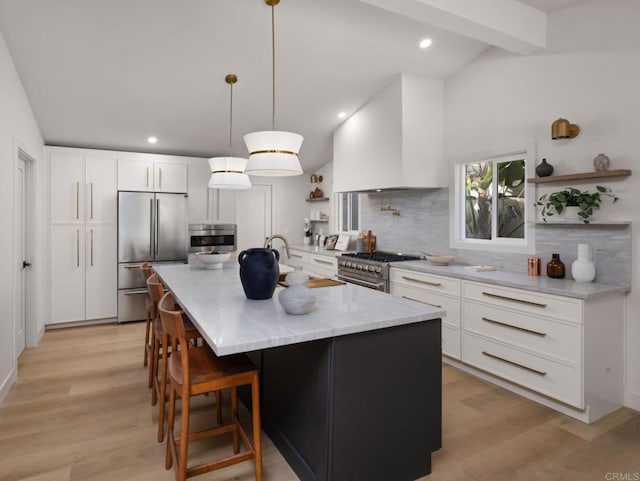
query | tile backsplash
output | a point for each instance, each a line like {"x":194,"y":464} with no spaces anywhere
{"x":423,"y":225}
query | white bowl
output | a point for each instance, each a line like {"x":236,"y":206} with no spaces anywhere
{"x":439,"y":260}
{"x":213,"y":260}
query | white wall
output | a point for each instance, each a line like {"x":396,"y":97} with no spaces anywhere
{"x":17,"y":127}
{"x":589,"y":74}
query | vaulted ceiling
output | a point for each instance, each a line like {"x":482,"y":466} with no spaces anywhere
{"x":108,"y":74}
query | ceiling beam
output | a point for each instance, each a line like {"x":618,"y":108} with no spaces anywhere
{"x":508,"y":24}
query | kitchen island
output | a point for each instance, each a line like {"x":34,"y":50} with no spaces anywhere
{"x":350,"y":391}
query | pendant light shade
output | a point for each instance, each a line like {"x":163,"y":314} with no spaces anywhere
{"x":229,"y":172}
{"x":273,"y":152}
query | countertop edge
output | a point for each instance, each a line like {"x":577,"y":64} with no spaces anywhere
{"x":542,"y":284}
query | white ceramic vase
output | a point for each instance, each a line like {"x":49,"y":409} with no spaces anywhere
{"x":583,"y":269}
{"x":297,"y":298}
{"x":571,"y":213}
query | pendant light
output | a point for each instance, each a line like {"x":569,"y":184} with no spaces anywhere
{"x":273,"y":152}
{"x":228,"y":172}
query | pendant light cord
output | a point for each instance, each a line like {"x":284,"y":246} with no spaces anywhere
{"x":273,"y":66}
{"x":230,"y":119}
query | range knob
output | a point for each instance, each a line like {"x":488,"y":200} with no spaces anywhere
{"x":365,"y":268}
{"x":378,"y":270}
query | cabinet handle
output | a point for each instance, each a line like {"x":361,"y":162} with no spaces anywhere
{"x":420,"y":281}
{"x":91,"y":200}
{"x":319,"y":261}
{"x":422,"y":302}
{"x":77,"y":200}
{"x":513,"y":299}
{"x":91,"y":249}
{"x":147,"y":177}
{"x":136,"y":266}
{"x":77,"y":247}
{"x":518,"y":328}
{"x":160,"y":178}
{"x":151,"y":226}
{"x":513,"y":363}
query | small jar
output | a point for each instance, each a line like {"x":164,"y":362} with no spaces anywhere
{"x":555,"y":267}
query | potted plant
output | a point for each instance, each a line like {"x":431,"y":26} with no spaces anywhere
{"x":585,"y":201}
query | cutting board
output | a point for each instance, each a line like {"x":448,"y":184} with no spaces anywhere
{"x":318,"y":283}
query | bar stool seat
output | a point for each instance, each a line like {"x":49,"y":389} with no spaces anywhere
{"x":199,"y":370}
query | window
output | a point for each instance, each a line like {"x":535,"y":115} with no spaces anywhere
{"x":348,"y":212}
{"x":492,"y":204}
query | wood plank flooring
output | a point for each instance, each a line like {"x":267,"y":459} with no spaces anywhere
{"x":80,"y":411}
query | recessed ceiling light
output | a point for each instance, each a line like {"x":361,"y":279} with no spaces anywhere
{"x":152,"y":140}
{"x":342,"y":115}
{"x":425,"y":43}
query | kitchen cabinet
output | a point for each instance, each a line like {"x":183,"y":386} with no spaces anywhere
{"x":83,"y":230}
{"x":316,"y":265}
{"x":208,"y":205}
{"x":437,"y":291}
{"x":82,"y":187}
{"x":152,"y":175}
{"x":83,"y":272}
{"x":395,"y":140}
{"x":557,"y":347}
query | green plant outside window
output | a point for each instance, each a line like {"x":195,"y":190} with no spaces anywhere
{"x":504,"y":194}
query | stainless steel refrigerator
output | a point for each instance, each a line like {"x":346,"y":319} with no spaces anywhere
{"x":151,"y":227}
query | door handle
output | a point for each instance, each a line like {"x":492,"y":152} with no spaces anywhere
{"x":91,"y":201}
{"x":77,"y":247}
{"x":157,"y":226}
{"x":26,"y":264}
{"x":91,"y":249}
{"x":77,"y":200}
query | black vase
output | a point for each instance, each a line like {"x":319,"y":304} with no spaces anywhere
{"x":259,"y":272}
{"x":543,"y":169}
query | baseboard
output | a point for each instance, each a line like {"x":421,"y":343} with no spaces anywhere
{"x":632,"y":400}
{"x":93,"y":322}
{"x":7,"y":384}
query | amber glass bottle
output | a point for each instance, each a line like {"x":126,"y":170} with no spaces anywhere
{"x":555,"y":267}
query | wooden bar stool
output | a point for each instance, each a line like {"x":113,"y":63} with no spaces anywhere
{"x":147,"y":270}
{"x":161,"y":351}
{"x":197,"y":371}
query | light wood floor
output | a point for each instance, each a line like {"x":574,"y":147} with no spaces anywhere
{"x":80,"y":411}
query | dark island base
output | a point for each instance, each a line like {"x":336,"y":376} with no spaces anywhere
{"x":362,"y":406}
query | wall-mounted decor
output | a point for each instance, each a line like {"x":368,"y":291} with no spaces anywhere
{"x":563,"y":129}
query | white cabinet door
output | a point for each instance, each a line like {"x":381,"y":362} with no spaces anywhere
{"x":223,"y":205}
{"x":135,"y":175}
{"x":100,"y":190}
{"x":67,"y":188}
{"x":253,"y":211}
{"x":198,"y":201}
{"x":101,"y":271}
{"x":169,"y":177}
{"x":67,"y":273}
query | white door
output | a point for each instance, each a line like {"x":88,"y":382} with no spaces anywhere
{"x":253,"y":216}
{"x":170,"y":177}
{"x":101,"y":273}
{"x":20,"y":253}
{"x":100,"y":190}
{"x":67,"y":188}
{"x":136,"y":175}
{"x":67,"y":273}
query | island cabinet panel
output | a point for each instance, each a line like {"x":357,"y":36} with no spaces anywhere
{"x":317,"y":403}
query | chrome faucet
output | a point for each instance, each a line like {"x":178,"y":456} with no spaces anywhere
{"x":278,"y":236}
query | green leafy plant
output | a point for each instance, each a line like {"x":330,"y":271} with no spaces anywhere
{"x":586,"y":201}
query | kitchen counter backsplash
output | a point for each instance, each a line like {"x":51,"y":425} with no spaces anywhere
{"x":423,"y":225}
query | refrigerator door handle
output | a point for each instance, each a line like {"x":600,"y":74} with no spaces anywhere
{"x":151,"y":227}
{"x":157,"y":226}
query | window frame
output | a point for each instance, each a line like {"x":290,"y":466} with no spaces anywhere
{"x":338,"y":213}
{"x":457,"y":239}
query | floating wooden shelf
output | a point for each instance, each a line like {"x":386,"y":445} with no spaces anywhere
{"x":581,"y":176}
{"x":612,"y":223}
{"x":317,"y":199}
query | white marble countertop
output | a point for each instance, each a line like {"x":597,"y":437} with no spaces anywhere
{"x":562,"y":287}
{"x":231,"y":323}
{"x":318,"y":250}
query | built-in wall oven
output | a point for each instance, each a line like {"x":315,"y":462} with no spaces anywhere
{"x":369,"y":269}
{"x":208,"y":237}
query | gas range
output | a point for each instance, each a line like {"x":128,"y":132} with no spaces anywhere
{"x":370,"y":269}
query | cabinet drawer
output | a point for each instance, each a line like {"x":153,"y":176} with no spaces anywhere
{"x":450,"y":341}
{"x":326,"y":262}
{"x":526,"y":301}
{"x":450,"y":304}
{"x":547,"y":377}
{"x":425,"y":281}
{"x":545,"y":336}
